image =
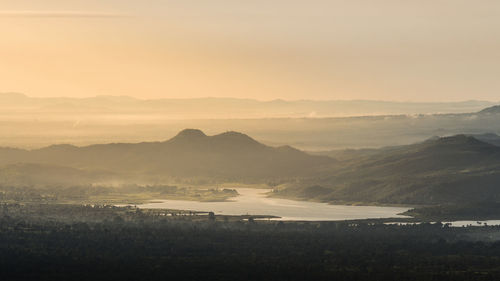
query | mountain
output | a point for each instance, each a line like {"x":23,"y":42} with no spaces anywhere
{"x":440,"y":170}
{"x":490,"y":138}
{"x":455,"y":169}
{"x":190,"y":154}
{"x":29,"y":174}
{"x":29,"y":122}
{"x":222,"y":107}
{"x":491,"y":110}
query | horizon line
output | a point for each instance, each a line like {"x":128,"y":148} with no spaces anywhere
{"x":249,"y":99}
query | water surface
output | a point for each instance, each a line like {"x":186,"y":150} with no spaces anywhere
{"x":254,"y":202}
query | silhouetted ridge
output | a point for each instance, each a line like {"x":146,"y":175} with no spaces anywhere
{"x":235,"y":138}
{"x":451,"y":150}
{"x":190,"y":154}
{"x":233,"y":134}
{"x":458,"y":140}
{"x":490,"y":138}
{"x":190,"y":134}
{"x":456,"y":143}
{"x":486,"y":135}
{"x":450,"y":169}
{"x":491,"y":110}
{"x":434,"y":151}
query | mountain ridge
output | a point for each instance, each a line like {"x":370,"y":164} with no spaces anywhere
{"x":491,"y":110}
{"x":451,"y":169}
{"x":191,"y":153}
{"x":219,"y":107}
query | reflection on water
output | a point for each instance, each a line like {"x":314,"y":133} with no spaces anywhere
{"x":254,"y":202}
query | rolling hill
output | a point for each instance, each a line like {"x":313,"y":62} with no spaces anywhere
{"x":490,"y":138}
{"x":190,"y":154}
{"x":40,"y":175}
{"x":224,"y":107}
{"x":456,"y":169}
{"x":491,"y":110}
{"x":440,"y":170}
{"x":29,"y":122}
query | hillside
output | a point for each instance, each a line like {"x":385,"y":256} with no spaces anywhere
{"x":491,"y":110}
{"x":190,"y":154}
{"x":490,"y":138}
{"x":223,"y":107}
{"x":40,"y":175}
{"x":440,"y":170}
{"x":29,"y":122}
{"x":454,"y":169}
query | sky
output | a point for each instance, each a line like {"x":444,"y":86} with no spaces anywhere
{"x":426,"y":50}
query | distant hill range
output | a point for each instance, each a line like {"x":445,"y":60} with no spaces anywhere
{"x":490,"y":138}
{"x":29,"y":122}
{"x":224,"y":107}
{"x":190,"y":154}
{"x":454,"y":169}
{"x":40,"y":175}
{"x":491,"y":110}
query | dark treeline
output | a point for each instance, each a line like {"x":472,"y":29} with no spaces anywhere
{"x":69,"y":242}
{"x":484,"y":210}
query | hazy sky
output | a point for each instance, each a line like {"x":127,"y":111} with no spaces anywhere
{"x":425,"y":50}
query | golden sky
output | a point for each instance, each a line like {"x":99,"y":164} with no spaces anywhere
{"x":426,"y":50}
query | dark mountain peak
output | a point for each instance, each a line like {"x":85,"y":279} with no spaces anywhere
{"x":486,"y":136}
{"x":235,"y":138}
{"x":190,"y":134}
{"x":232,"y":134}
{"x":490,"y":138}
{"x":458,"y":139}
{"x":457,"y":144}
{"x":191,"y":154}
{"x":455,"y":139}
{"x":491,"y":110}
{"x":198,"y":134}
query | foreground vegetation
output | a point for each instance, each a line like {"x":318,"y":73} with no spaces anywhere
{"x":72,"y":242}
{"x":486,"y":210}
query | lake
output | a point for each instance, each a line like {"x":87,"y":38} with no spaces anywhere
{"x":253,"y":201}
